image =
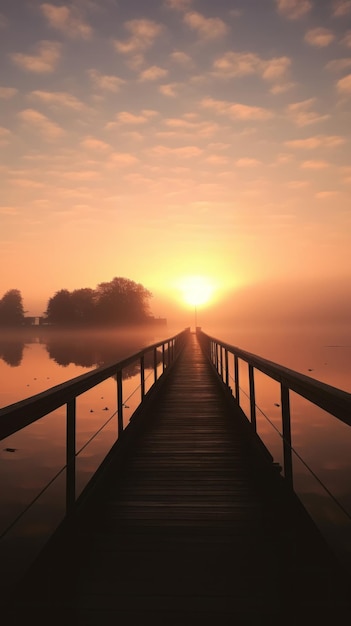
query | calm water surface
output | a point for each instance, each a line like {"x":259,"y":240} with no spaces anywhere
{"x":34,"y":361}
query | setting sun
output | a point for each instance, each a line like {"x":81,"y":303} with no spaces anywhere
{"x":196,"y":290}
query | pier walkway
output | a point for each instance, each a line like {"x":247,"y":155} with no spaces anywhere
{"x":191,"y":523}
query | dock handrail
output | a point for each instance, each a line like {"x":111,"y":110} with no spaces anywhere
{"x":15,"y":417}
{"x":332,"y":400}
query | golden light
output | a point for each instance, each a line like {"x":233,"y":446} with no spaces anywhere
{"x":196,"y":290}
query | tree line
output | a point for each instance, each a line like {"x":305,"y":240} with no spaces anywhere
{"x":116,"y":303}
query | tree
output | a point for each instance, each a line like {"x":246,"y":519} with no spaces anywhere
{"x":83,"y":303}
{"x":60,"y":309}
{"x":122,"y":301}
{"x":11,"y":309}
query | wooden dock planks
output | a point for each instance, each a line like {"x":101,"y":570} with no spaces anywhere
{"x":193,"y":528}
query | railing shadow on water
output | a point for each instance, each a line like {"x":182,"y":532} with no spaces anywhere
{"x":66,"y":433}
{"x":305,"y":425}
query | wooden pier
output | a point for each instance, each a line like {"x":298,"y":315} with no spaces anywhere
{"x":189,"y":522}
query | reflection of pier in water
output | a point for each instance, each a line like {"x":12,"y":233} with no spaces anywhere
{"x":188,"y":518}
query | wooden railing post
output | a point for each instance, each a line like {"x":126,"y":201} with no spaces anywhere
{"x":252,"y":397}
{"x":142,"y":377}
{"x":287,"y":453}
{"x":236,"y":378}
{"x":163,"y":357}
{"x":155,"y":365}
{"x":119,"y":403}
{"x":226,"y":367}
{"x":71,"y":456}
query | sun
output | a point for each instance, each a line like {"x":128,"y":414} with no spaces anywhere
{"x":196,"y":290}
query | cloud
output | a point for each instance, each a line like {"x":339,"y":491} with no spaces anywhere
{"x":185,"y":152}
{"x":178,"y":5}
{"x":300,"y":113}
{"x":4,"y":135}
{"x":67,"y":20}
{"x":143,"y":34}
{"x":341,"y":8}
{"x":324,"y":195}
{"x":318,"y":141}
{"x":319,"y":37}
{"x":182,"y":58}
{"x":206,"y":27}
{"x":344,"y":85}
{"x":125,"y":117}
{"x":236,"y":110}
{"x":105,"y":82}
{"x":58,"y":99}
{"x":237,"y":64}
{"x":122,"y":159}
{"x":153,"y":73}
{"x":247,"y":162}
{"x":48,"y":129}
{"x":6,"y":93}
{"x":91,"y":143}
{"x":293,"y":9}
{"x":314,"y":165}
{"x":169,"y":90}
{"x":338,"y":65}
{"x":347,"y":39}
{"x":44,"y":61}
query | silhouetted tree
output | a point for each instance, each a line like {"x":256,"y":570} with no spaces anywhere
{"x":122,"y":301}
{"x":60,"y":309}
{"x":83,"y":302}
{"x":11,"y":309}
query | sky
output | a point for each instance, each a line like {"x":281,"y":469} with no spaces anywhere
{"x":158,"y":139}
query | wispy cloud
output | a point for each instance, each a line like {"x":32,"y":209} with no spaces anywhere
{"x":143,"y":34}
{"x":132,"y":119}
{"x":301,"y":113}
{"x":6,"y":93}
{"x":317,"y":141}
{"x":338,"y":65}
{"x":122,"y":159}
{"x":294,"y":9}
{"x":4,"y":135}
{"x":105,"y":82}
{"x":67,"y":20}
{"x":43,"y":61}
{"x":170,"y":90}
{"x":57,"y":99}
{"x":237,"y":110}
{"x":153,"y":73}
{"x":347,"y":39}
{"x":181,"y":58}
{"x":341,"y":8}
{"x":48,"y":129}
{"x":315,"y":165}
{"x":94,"y":144}
{"x":206,"y":27}
{"x":238,"y":64}
{"x":344,"y":85}
{"x":319,"y":37}
{"x":178,"y":5}
{"x":247,"y":162}
{"x":185,"y":152}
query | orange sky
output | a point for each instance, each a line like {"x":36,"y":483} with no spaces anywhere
{"x":152,"y":140}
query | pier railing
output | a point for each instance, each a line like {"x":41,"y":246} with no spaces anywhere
{"x":156,"y":359}
{"x":320,"y":481}
{"x":332,"y":400}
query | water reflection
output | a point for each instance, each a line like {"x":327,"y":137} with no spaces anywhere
{"x":84,"y":349}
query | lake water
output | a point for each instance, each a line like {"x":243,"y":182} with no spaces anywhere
{"x":35,"y":360}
